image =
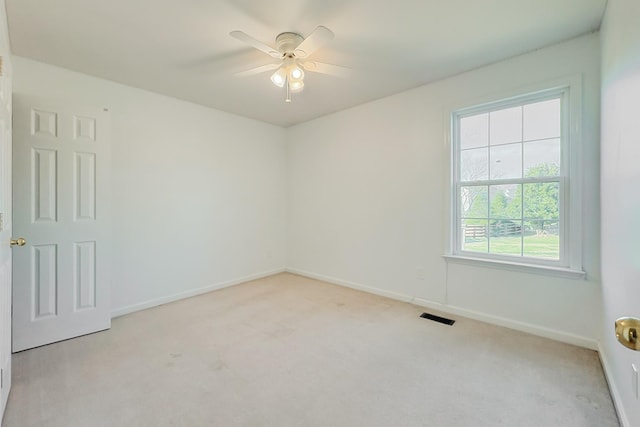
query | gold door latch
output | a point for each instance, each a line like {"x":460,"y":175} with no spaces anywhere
{"x":627,"y":330}
{"x":20,"y":241}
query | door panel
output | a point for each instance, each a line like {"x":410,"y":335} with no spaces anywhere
{"x":45,"y":280}
{"x":61,"y":278}
{"x":45,"y":165}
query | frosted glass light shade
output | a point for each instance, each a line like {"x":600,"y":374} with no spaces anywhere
{"x":279,"y":78}
{"x":296,"y":86}
{"x":296,"y":73}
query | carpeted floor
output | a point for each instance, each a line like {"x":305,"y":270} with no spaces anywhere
{"x":290,"y":351}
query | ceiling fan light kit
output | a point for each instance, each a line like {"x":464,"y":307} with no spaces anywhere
{"x":290,"y":49}
{"x":289,"y":74}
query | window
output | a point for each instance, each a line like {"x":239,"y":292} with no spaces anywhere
{"x":511,"y":180}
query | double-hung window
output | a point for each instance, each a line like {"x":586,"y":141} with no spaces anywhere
{"x":511,"y":180}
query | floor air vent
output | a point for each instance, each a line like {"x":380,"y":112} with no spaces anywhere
{"x":437,"y":319}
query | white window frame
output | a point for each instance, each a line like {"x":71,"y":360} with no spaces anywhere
{"x":570,"y":222}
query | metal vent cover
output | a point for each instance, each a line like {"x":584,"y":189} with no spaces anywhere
{"x":438,"y":318}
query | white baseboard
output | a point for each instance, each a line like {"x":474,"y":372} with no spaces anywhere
{"x":450,"y":309}
{"x":191,"y":293}
{"x":613,"y":389}
{"x":511,"y":324}
{"x":352,"y":285}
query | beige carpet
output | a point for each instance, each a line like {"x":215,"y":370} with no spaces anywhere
{"x":290,"y":351}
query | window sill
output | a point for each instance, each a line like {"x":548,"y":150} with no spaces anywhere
{"x":566,"y":273}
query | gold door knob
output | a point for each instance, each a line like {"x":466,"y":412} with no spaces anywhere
{"x":627,"y":332}
{"x":20,"y":241}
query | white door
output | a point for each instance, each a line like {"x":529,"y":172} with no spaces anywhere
{"x":5,"y":232}
{"x":61,"y":164}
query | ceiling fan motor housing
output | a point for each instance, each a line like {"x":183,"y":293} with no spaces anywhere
{"x":287,"y":42}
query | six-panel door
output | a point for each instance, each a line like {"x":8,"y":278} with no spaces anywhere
{"x":61,"y":156}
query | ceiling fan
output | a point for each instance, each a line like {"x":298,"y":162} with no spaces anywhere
{"x":292,"y":50}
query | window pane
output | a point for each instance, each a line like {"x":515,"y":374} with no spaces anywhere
{"x":542,"y":120}
{"x":542,"y":240}
{"x":474,"y":164}
{"x":474,"y":131}
{"x":505,"y":237}
{"x":474,"y":201}
{"x":541,"y":225}
{"x":505,"y":228}
{"x":506,"y":161}
{"x":506,"y":202}
{"x":541,"y":201}
{"x":542,"y":158}
{"x":474,"y":235}
{"x":506,"y":126}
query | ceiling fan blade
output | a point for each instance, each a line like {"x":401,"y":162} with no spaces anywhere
{"x":257,"y":70}
{"x":318,"y":38}
{"x":246,"y":38}
{"x":321,"y":67}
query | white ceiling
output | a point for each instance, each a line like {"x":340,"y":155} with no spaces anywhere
{"x":183,"y":48}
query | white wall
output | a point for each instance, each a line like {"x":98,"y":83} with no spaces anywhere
{"x":367,"y":190}
{"x":198,"y":194}
{"x":620,"y":200}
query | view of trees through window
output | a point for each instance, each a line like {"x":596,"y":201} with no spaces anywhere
{"x":509,"y":184}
